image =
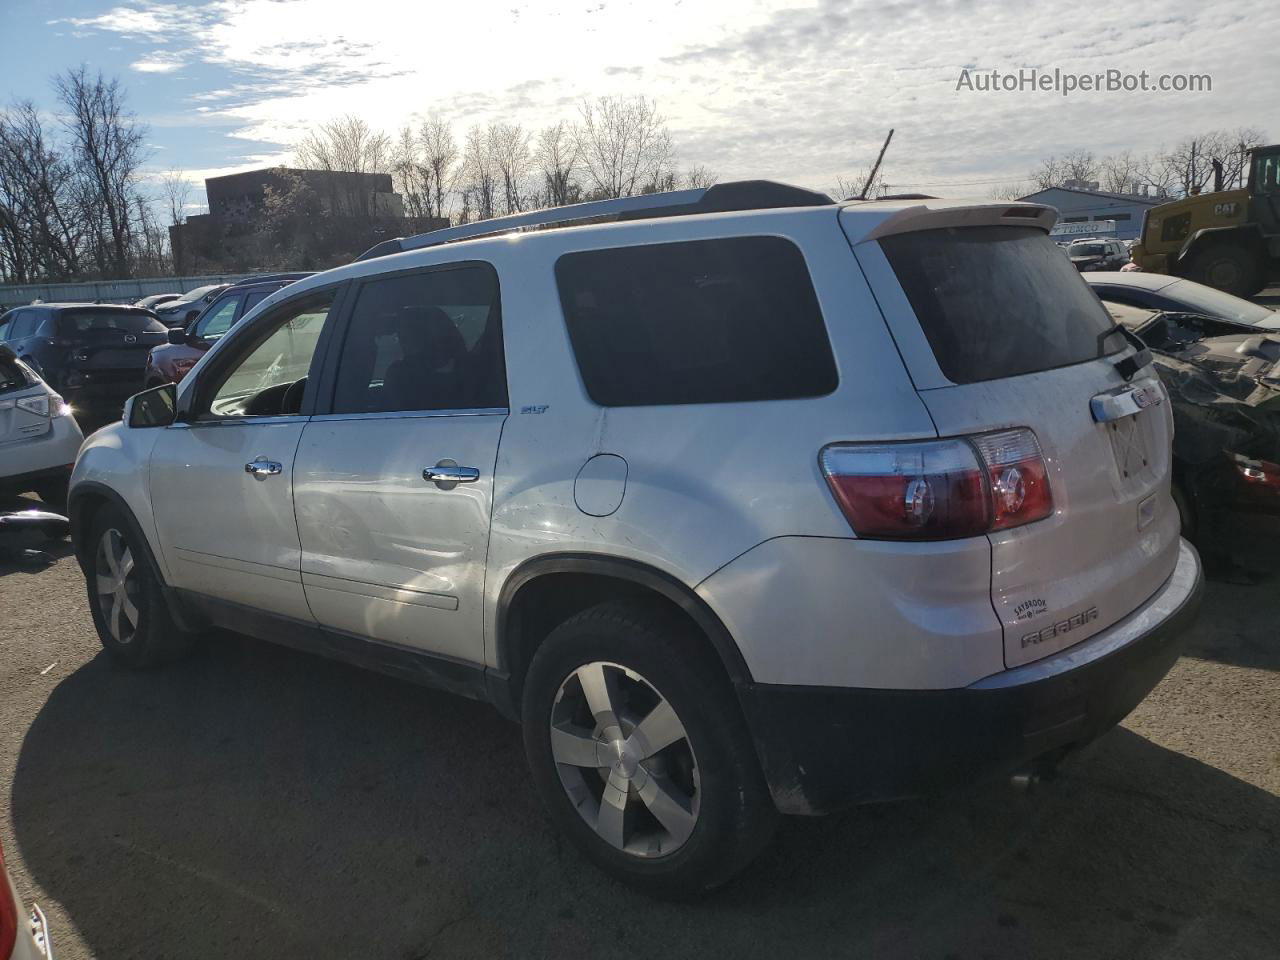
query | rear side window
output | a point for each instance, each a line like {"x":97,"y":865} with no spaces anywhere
{"x":75,"y":323}
{"x":999,"y":301}
{"x":704,"y":321}
{"x":424,"y":341}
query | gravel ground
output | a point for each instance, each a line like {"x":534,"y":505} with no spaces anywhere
{"x":256,"y":802}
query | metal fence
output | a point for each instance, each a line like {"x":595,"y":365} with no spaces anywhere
{"x":107,"y":291}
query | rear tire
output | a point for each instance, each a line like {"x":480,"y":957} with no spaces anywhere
{"x":125,"y":597}
{"x":652,"y":773}
{"x":1230,"y":267}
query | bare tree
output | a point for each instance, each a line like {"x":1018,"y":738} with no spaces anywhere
{"x":1118,"y":172}
{"x":479,"y":175}
{"x":509,"y":150}
{"x":850,"y":188}
{"x":107,"y":142}
{"x":175,"y":189}
{"x":40,"y":231}
{"x":440,"y":157}
{"x":624,"y":144}
{"x":1080,"y":165}
{"x":557,"y":158}
{"x":1009,"y":191}
{"x":698,"y":177}
{"x":410,"y":176}
{"x":347,"y":145}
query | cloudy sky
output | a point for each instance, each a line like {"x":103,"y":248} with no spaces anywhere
{"x":798,"y":91}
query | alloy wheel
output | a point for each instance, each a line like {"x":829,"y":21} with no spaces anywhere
{"x":117,"y":586}
{"x":625,"y":760}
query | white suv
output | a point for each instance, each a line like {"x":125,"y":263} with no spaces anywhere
{"x":742,"y":502}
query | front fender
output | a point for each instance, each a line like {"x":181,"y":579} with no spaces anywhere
{"x":114,"y":466}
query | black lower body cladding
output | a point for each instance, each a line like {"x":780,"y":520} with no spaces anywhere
{"x":826,"y":748}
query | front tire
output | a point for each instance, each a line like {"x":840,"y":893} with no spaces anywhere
{"x":1229,"y":267}
{"x":125,"y":598}
{"x":639,"y":751}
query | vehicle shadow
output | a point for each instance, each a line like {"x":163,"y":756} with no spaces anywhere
{"x":258,"y":802}
{"x":1230,"y":634}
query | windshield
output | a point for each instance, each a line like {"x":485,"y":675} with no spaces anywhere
{"x":1215,"y":303}
{"x":999,"y":301}
{"x":91,"y":322}
{"x":1086,"y":250}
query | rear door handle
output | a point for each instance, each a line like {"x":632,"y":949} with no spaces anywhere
{"x":447,"y":474}
{"x":261,"y":468}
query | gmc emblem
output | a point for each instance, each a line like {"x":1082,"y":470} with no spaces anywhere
{"x":1059,"y":628}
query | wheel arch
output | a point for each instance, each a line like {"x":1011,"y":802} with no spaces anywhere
{"x":545,"y":590}
{"x":84,"y":503}
{"x":1248,"y":234}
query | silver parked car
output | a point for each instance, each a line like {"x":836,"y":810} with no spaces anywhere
{"x":1158,"y":291}
{"x":39,"y":439}
{"x":740,"y":500}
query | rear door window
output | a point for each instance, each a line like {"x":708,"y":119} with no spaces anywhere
{"x":999,"y":301}
{"x":729,"y":320}
{"x":424,"y":341}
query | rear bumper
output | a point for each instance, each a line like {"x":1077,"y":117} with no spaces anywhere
{"x":48,"y":456}
{"x":823,"y":748}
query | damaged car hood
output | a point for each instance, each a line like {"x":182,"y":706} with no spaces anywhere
{"x":1223,"y":378}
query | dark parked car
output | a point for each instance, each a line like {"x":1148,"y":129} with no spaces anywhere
{"x":91,"y":354}
{"x":1158,"y":291}
{"x":156,"y":299}
{"x":180,"y":312}
{"x":170,"y":362}
{"x":1223,"y":379}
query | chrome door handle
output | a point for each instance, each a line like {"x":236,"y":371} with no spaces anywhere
{"x":447,"y":474}
{"x":261,"y":468}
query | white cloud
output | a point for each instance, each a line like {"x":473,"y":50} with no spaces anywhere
{"x":801,"y":90}
{"x":158,"y":61}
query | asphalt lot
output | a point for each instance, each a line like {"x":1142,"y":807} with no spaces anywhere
{"x":256,"y":802}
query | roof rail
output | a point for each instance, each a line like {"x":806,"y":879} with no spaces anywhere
{"x":722,"y":197}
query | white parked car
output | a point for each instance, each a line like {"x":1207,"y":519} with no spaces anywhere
{"x":39,"y":438}
{"x":744,"y":502}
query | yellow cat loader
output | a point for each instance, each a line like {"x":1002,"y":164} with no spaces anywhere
{"x":1229,"y":239}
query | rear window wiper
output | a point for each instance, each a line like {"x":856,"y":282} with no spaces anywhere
{"x":1127,"y":366}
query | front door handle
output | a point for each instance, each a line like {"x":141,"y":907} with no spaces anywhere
{"x":447,"y":474}
{"x":261,"y":468}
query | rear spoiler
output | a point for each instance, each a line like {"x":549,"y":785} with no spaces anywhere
{"x":935,"y":216}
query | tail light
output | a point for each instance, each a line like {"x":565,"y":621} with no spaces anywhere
{"x":8,"y":914}
{"x":1257,"y":473}
{"x":939,"y":489}
{"x":182,"y":366}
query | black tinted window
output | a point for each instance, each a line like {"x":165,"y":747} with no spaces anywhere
{"x":11,"y":375}
{"x":998,"y":301}
{"x":78,"y":323}
{"x":706,"y":321}
{"x":424,"y":341}
{"x":22,"y":325}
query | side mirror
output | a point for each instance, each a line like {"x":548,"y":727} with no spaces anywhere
{"x":177,"y":336}
{"x":156,"y":407}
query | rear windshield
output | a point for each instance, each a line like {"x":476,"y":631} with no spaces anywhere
{"x":107,"y":322}
{"x":704,"y":321}
{"x":11,"y":375}
{"x":999,"y":301}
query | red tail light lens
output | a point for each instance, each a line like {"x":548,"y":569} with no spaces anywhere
{"x":8,"y":914}
{"x":939,"y":489}
{"x":1018,"y":477}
